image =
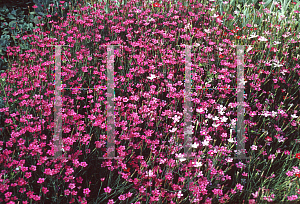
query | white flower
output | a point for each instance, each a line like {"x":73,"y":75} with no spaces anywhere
{"x":150,"y":173}
{"x":281,"y":139}
{"x":276,"y":43}
{"x":17,"y":168}
{"x":176,"y":118}
{"x":162,"y":161}
{"x":261,"y":38}
{"x":273,"y":114}
{"x":221,"y":112}
{"x":242,"y":82}
{"x":207,"y":30}
{"x":266,"y":113}
{"x":179,"y":194}
{"x":277,"y":65}
{"x":229,"y":159}
{"x":236,"y":12}
{"x":173,"y":130}
{"x":138,"y":11}
{"x":253,"y":147}
{"x":180,"y":157}
{"x":215,"y":16}
{"x":294,"y":116}
{"x":249,"y":48}
{"x":209,"y":116}
{"x":200,"y":110}
{"x":190,"y":130}
{"x":216,"y":118}
{"x":252,"y":36}
{"x":283,"y":72}
{"x":224,"y":119}
{"x":231,"y":140}
{"x":205,"y":143}
{"x":188,"y":26}
{"x":200,"y":174}
{"x":197,"y":164}
{"x":195,"y":145}
{"x":215,"y":125}
{"x":152,"y":77}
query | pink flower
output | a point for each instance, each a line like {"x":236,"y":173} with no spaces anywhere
{"x":289,"y":173}
{"x":28,"y":174}
{"x":32,"y":168}
{"x":217,"y":192}
{"x":111,"y":201}
{"x":72,"y":185}
{"x":122,"y":197}
{"x":107,"y":190}
{"x":67,"y":192}
{"x":252,"y":201}
{"x":34,"y":6}
{"x":83,"y":164}
{"x":239,"y":186}
{"x":41,"y":180}
{"x":45,"y":190}
{"x":7,"y":194}
{"x":293,"y":197}
{"x":79,"y":179}
{"x":86,"y":191}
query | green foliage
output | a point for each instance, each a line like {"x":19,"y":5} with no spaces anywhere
{"x":19,"y":18}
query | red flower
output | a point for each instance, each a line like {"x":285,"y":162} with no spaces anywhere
{"x":220,"y":17}
{"x":221,"y":56}
{"x":298,"y":175}
{"x":127,"y":170}
{"x":269,"y":139}
{"x":156,"y":5}
{"x":298,"y":155}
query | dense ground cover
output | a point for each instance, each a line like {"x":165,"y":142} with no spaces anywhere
{"x":149,"y":97}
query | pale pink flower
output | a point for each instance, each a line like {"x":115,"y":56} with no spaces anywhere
{"x":72,"y":185}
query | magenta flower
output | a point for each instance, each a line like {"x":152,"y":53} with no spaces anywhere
{"x":86,"y":191}
{"x":122,"y":197}
{"x":72,"y":185}
{"x":239,"y":186}
{"x":41,"y":180}
{"x":107,"y":190}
